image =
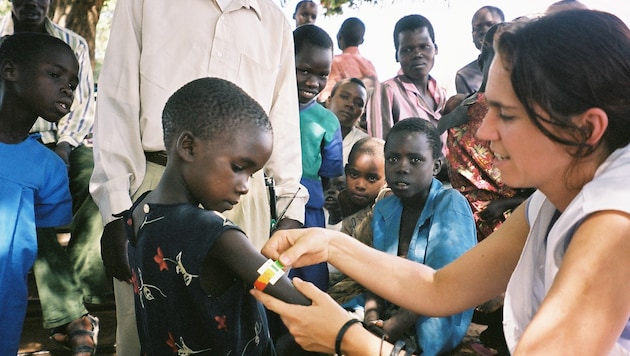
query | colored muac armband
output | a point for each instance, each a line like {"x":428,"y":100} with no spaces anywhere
{"x":270,"y":272}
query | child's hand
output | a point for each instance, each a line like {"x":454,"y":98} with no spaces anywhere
{"x":63,"y":150}
{"x":114,"y":250}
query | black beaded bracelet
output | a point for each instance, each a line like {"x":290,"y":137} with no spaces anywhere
{"x":342,"y":332}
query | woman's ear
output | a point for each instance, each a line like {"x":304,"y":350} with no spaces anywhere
{"x":185,"y":146}
{"x":594,"y":121}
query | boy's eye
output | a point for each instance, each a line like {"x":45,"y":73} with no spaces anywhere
{"x":237,"y":168}
{"x":324,"y":75}
{"x":53,"y":75}
{"x":392,"y":159}
{"x":416,"y":160}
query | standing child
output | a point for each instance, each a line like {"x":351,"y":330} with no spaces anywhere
{"x":39,"y":74}
{"x":305,"y":13}
{"x":424,"y":222}
{"x":320,"y":133}
{"x":191,"y":267}
{"x":350,"y":63}
{"x":413,"y":92}
{"x":347,"y":101}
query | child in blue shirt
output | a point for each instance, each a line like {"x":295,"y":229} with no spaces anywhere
{"x":422,"y":221}
{"x":38,"y":74}
{"x":320,"y":133}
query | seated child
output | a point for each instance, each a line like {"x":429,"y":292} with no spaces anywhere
{"x":365,"y":183}
{"x":192,"y":269}
{"x":424,"y":222}
{"x":320,"y":134}
{"x":347,"y":101}
{"x":331,"y":202}
{"x":39,"y":74}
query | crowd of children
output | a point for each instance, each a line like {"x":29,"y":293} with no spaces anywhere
{"x":378,"y":161}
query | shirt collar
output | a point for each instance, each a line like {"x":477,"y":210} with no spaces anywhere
{"x":248,"y":4}
{"x":351,"y":50}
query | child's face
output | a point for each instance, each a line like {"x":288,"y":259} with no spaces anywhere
{"x":218,"y":172}
{"x":307,"y":13}
{"x":416,"y":53}
{"x":47,"y":84}
{"x":365,"y":177}
{"x":348,"y":103}
{"x":331,"y":194}
{"x":312,"y":66}
{"x":409,"y":165}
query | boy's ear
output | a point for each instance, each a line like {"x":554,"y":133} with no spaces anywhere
{"x":8,"y":70}
{"x":436,"y":48}
{"x":594,"y":121}
{"x":437,"y":166}
{"x":185,"y":146}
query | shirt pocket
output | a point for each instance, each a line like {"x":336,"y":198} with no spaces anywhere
{"x":258,"y":80}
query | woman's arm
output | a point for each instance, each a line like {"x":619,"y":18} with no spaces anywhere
{"x":411,"y":285}
{"x":588,"y":304}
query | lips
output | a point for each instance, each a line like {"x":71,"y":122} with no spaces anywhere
{"x":63,"y":106}
{"x":307,"y":94}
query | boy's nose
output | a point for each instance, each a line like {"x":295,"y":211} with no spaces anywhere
{"x":67,"y":90}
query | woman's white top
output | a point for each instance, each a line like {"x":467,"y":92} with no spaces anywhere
{"x":543,"y":252}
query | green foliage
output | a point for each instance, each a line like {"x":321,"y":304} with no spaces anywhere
{"x":335,"y":7}
{"x":5,"y":7}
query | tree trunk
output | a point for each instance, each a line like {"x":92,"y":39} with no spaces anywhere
{"x":80,"y":16}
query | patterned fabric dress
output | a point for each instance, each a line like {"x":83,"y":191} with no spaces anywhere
{"x":472,"y":172}
{"x":175,"y":316}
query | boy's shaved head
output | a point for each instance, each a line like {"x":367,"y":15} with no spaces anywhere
{"x":370,"y":146}
{"x":311,"y":35}
{"x":210,"y":107}
{"x":25,"y":47}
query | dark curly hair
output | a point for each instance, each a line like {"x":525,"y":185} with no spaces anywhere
{"x":209,"y":108}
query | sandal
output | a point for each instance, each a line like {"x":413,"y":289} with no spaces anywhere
{"x":59,"y":336}
{"x":78,"y":348}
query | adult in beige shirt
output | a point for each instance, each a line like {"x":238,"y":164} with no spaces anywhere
{"x":155,"y":47}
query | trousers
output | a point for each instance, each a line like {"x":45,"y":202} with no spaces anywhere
{"x":68,"y":277}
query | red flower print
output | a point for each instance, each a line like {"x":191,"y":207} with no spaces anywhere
{"x":221,"y":321}
{"x":134,"y":281}
{"x":171,"y":342}
{"x":159,"y":259}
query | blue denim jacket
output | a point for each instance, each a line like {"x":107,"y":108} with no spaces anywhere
{"x":444,"y":231}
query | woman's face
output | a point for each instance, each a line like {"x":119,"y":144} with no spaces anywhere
{"x":524,"y":155}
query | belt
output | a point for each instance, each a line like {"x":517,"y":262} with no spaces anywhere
{"x":158,"y":157}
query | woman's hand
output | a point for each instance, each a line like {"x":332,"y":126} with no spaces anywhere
{"x":298,"y":247}
{"x":314,"y":327}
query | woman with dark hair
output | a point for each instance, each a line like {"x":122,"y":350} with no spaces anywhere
{"x":559,"y":121}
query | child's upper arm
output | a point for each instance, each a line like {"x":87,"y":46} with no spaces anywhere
{"x":53,"y":203}
{"x":236,"y":252}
